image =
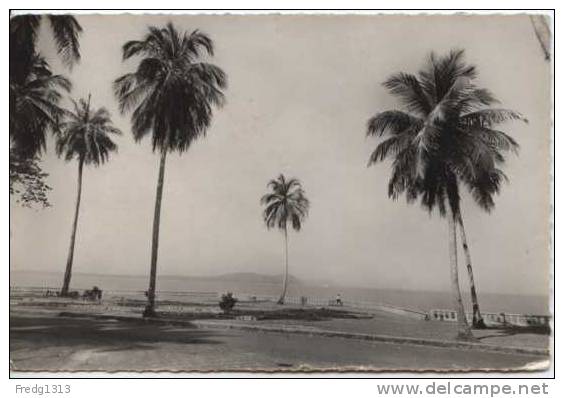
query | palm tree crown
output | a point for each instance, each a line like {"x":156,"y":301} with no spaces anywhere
{"x":286,"y":203}
{"x":34,"y":107}
{"x":172,"y":89}
{"x":86,"y":134}
{"x":447,"y":135}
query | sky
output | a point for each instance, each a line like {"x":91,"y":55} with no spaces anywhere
{"x":301,"y":89}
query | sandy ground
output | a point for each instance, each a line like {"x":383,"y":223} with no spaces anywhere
{"x":43,"y":341}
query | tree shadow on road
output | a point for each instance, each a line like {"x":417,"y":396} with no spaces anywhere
{"x":506,"y":331}
{"x":101,"y":334}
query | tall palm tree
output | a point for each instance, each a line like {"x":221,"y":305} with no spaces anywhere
{"x":173,"y":92}
{"x":85,"y":136}
{"x":445,"y":138}
{"x":23,"y":41}
{"x":285,"y":203}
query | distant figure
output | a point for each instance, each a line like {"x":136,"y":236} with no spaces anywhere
{"x":94,"y":295}
{"x":97,"y":292}
{"x":338,"y":300}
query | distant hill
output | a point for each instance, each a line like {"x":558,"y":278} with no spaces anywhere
{"x":241,"y":277}
{"x":247,"y":277}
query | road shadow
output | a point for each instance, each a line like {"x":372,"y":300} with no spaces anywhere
{"x":101,"y":334}
{"x":506,"y":331}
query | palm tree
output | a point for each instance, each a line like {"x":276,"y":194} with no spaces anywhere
{"x":23,"y":40}
{"x":34,"y":107}
{"x":285,"y":203}
{"x":542,"y":32}
{"x":173,"y":92}
{"x":85,"y":136}
{"x":34,"y":110}
{"x":34,"y":97}
{"x":445,"y":138}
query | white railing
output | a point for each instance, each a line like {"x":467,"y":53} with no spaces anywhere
{"x":499,"y":318}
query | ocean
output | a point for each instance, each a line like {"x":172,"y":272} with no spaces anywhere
{"x":416,"y":300}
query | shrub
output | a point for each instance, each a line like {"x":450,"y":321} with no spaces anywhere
{"x":227,"y":302}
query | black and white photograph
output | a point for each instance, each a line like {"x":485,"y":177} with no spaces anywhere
{"x":280,"y":192}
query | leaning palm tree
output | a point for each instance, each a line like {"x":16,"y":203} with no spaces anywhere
{"x":173,"y":92}
{"x":285,"y":203}
{"x":85,"y":136}
{"x":445,"y":138}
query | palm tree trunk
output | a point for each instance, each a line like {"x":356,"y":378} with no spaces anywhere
{"x":150,"y":308}
{"x":542,"y":31}
{"x":285,"y":283}
{"x":464,"y":332}
{"x":68,"y":269}
{"x":477,"y":320}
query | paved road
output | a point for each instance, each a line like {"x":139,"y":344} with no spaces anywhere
{"x":43,"y":342}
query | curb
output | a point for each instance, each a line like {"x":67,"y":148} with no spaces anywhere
{"x":378,"y":338}
{"x":321,"y":332}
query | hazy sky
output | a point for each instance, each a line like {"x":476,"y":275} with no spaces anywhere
{"x":301,"y":89}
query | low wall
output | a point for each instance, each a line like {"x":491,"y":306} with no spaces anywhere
{"x":493,"y":318}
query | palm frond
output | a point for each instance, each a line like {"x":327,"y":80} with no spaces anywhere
{"x":393,"y":122}
{"x":66,"y":30}
{"x":496,"y":139}
{"x":485,"y":186}
{"x":196,"y":42}
{"x":34,"y":107}
{"x":408,"y":88}
{"x":386,"y":148}
{"x":490,"y":117}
